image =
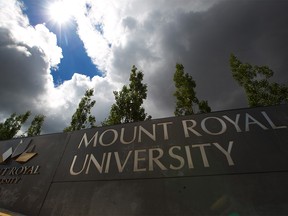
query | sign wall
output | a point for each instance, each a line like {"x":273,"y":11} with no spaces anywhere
{"x":223,"y":162}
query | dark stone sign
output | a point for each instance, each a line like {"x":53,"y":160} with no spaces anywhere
{"x":24,"y":184}
{"x":231,"y":162}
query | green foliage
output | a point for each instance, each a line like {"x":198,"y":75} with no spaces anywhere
{"x":82,"y":117}
{"x":185,"y":94}
{"x":36,"y":124}
{"x":128,"y":105}
{"x":203,"y":107}
{"x":10,"y":127}
{"x":255,"y":81}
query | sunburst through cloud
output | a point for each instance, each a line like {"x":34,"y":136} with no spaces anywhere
{"x":61,"y":12}
{"x":52,"y":51}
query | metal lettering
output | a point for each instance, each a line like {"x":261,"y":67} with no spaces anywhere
{"x":203,"y":153}
{"x":115,"y":135}
{"x":254,"y":121}
{"x":122,"y":136}
{"x":118,"y":162}
{"x":137,"y":159}
{"x":189,"y":157}
{"x":85,"y":140}
{"x":165,"y":129}
{"x":177,"y":157}
{"x":190,"y":128}
{"x":271,"y":123}
{"x":223,"y":126}
{"x":155,"y":160}
{"x":226,"y":153}
{"x":235,"y":123}
{"x":96,"y":163}
{"x":72,"y":165}
{"x":151,"y":135}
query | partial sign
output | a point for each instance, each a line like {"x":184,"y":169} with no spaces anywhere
{"x":26,"y":171}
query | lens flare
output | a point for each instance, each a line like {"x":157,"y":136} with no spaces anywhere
{"x":61,"y":12}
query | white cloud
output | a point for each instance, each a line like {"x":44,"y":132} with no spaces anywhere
{"x":21,"y":32}
{"x":154,"y":35}
{"x":136,"y":31}
{"x":117,"y":34}
{"x":27,"y":55}
{"x":115,"y":19}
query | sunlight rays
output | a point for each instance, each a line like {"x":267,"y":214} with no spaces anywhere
{"x":61,"y":12}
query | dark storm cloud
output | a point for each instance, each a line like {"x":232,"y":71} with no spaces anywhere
{"x":255,"y":31}
{"x":22,"y":74}
{"x":152,"y":35}
{"x":129,"y":22}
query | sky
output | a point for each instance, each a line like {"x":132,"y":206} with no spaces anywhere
{"x":51,"y":52}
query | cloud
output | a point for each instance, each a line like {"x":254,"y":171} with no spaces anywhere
{"x":61,"y":102}
{"x":154,"y":36}
{"x":201,"y":35}
{"x":27,"y":55}
{"x":24,"y":61}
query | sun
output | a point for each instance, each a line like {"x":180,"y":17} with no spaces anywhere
{"x":61,"y":12}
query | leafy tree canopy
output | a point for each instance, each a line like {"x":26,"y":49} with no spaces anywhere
{"x":186,"y":101}
{"x":82,"y":117}
{"x":255,"y":81}
{"x":36,"y":125}
{"x":128,"y":101}
{"x":10,"y":127}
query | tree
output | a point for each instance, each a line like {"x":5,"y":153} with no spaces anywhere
{"x":255,"y":81}
{"x":128,"y":105}
{"x":36,"y":124}
{"x":82,"y":117}
{"x":185,"y":94}
{"x":10,"y":127}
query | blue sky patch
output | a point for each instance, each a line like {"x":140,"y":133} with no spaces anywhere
{"x":75,"y":59}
